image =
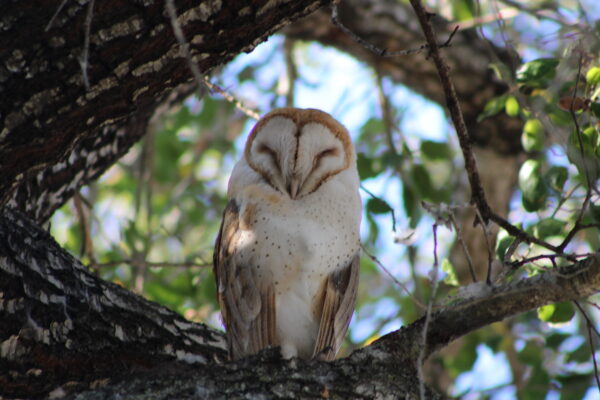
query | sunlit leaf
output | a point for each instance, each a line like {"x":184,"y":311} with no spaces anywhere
{"x":493,"y":107}
{"x":451,"y":278}
{"x":532,"y":185}
{"x":511,"y":106}
{"x":536,"y":72}
{"x":556,"y":313}
{"x":532,"y":137}
{"x":593,"y":76}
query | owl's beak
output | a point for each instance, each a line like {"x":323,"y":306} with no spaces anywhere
{"x":294,"y":185}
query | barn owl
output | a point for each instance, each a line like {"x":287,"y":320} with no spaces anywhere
{"x":287,"y":255}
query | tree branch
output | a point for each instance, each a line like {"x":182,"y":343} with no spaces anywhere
{"x":485,"y":305}
{"x":55,"y":134}
{"x":61,"y":324}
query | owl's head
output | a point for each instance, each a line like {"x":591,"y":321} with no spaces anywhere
{"x":297,"y":150}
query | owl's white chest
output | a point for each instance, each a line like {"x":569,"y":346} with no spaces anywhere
{"x":294,"y":245}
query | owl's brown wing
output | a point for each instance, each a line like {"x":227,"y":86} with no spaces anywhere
{"x":247,"y":307}
{"x":337,"y":297}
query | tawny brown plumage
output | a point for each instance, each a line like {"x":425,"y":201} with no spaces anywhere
{"x":287,"y":256}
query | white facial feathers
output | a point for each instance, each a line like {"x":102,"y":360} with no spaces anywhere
{"x":298,"y":150}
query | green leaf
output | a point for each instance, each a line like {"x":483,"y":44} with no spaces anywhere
{"x":493,"y":107}
{"x":532,"y":185}
{"x":574,"y":386}
{"x":376,"y":205}
{"x":593,"y":76}
{"x":365,"y":167}
{"x":530,"y":354}
{"x":536,"y":72}
{"x":548,"y":227}
{"x":435,"y":150}
{"x":595,"y":212}
{"x":532,"y":137}
{"x":556,"y":339}
{"x":556,"y":177}
{"x":451,"y":277}
{"x":503,"y":243}
{"x":595,"y":107}
{"x":372,"y":127}
{"x":463,"y":9}
{"x":422,"y":181}
{"x":559,"y":117}
{"x":556,"y":313}
{"x":581,"y":354}
{"x":412,"y":206}
{"x":512,"y":106}
{"x":590,"y":159}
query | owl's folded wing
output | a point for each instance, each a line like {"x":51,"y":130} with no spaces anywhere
{"x":248,"y":308}
{"x":338,"y":296}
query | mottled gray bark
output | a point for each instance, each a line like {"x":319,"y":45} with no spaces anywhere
{"x":65,"y":330}
{"x":56,"y":134}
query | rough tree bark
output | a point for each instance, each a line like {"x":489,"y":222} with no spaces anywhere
{"x":56,"y":134}
{"x":65,"y":330}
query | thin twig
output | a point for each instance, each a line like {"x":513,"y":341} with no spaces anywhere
{"x":87,"y":245}
{"x":590,"y":326}
{"x":488,"y":244}
{"x":230,"y":98}
{"x":290,"y":70}
{"x":539,"y":14}
{"x":383,"y":52}
{"x":201,"y":81}
{"x":477,"y":193}
{"x":58,"y":10}
{"x":394,"y":279}
{"x":183,"y":44}
{"x":83,"y":59}
{"x":588,"y":194}
{"x":421,"y":358}
{"x":521,"y":234}
{"x":464,"y":246}
{"x":367,"y":191}
{"x":570,"y":257}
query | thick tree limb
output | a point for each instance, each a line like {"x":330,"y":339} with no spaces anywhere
{"x":60,"y":323}
{"x":64,"y":327}
{"x":56,"y":135}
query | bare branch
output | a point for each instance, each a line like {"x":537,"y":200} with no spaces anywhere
{"x":230,"y":98}
{"x":424,"y":344}
{"x":394,"y":279}
{"x":83,"y":59}
{"x":495,"y":303}
{"x":590,"y":326}
{"x":383,"y":52}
